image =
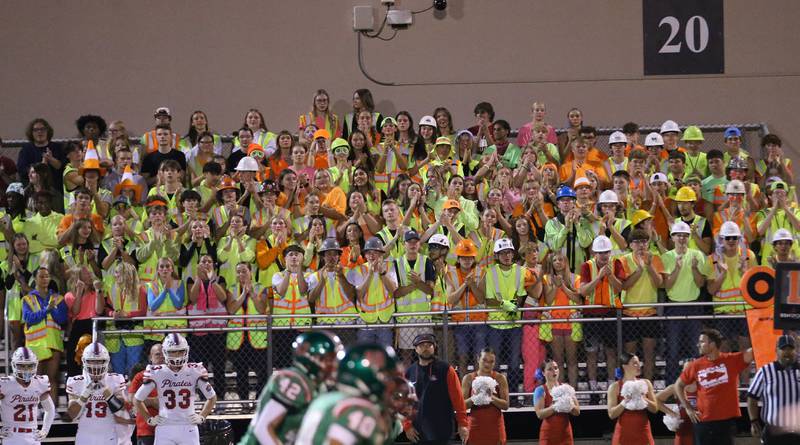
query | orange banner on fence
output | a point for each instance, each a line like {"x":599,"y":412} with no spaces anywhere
{"x":763,"y":336}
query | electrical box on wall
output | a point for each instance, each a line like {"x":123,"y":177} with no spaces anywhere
{"x":363,"y":18}
{"x":399,"y":18}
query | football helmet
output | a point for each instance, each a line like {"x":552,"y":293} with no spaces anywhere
{"x":318,"y":352}
{"x":176,"y":350}
{"x":24,"y":363}
{"x":369,"y":369}
{"x":95,"y":361}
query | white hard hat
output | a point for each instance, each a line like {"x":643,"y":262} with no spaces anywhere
{"x":428,"y":120}
{"x":439,"y":239}
{"x":503,"y":244}
{"x":782,"y":235}
{"x":608,"y":197}
{"x":735,"y":186}
{"x":680,"y":227}
{"x":617,"y":137}
{"x":601,"y":244}
{"x":247,"y":164}
{"x":670,"y":126}
{"x":658,"y":177}
{"x":653,"y":140}
{"x":729,"y":228}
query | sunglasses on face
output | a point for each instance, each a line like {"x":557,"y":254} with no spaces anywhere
{"x":731,"y":238}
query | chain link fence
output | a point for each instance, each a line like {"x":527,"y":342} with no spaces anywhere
{"x":241,"y":358}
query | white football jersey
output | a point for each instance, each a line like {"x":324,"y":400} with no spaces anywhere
{"x":177,"y":390}
{"x":96,"y":415}
{"x":20,"y":404}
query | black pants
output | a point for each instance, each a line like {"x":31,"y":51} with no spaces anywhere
{"x":209,"y":349}
{"x":79,"y":328}
{"x":717,"y":432}
{"x":145,"y":440}
{"x":245,"y":359}
{"x":771,"y":436}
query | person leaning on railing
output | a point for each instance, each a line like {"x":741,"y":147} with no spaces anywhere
{"x":375,"y":281}
{"x":207,"y":296}
{"x":249,"y":350}
{"x":124,"y":298}
{"x":289,"y":297}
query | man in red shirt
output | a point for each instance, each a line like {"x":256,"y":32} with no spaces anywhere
{"x":717,"y":376}
{"x":145,"y":434}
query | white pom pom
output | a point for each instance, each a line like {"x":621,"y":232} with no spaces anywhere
{"x":562,"y":398}
{"x":634,"y":393}
{"x":482,"y":389}
{"x":672,"y":422}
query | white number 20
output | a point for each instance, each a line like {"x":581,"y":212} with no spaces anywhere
{"x":693,"y":44}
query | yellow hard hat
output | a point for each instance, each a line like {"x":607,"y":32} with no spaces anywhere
{"x":639,"y":216}
{"x":685,"y":194}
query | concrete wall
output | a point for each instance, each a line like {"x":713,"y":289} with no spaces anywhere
{"x":122,"y":59}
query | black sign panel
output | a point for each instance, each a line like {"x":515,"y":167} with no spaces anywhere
{"x":787,"y":296}
{"x":683,"y":37}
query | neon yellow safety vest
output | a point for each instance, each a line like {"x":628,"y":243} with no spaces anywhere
{"x":167,"y":308}
{"x":378,"y":304}
{"x":504,"y":285}
{"x":416,"y":301}
{"x":291,"y":304}
{"x":398,"y":249}
{"x":46,"y":334}
{"x":257,"y":336}
{"x":332,"y":300}
{"x":68,"y":193}
{"x":730,"y":290}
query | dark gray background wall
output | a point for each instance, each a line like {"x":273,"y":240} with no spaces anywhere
{"x":122,"y":59}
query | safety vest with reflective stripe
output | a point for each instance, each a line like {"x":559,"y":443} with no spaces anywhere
{"x":730,"y":290}
{"x":700,"y":225}
{"x":504,"y":285}
{"x":467,"y":299}
{"x":45,"y":333}
{"x":128,"y":304}
{"x":167,"y":308}
{"x":390,"y":171}
{"x":398,"y":249}
{"x":329,"y":122}
{"x":256,"y":336}
{"x":332,"y":300}
{"x":603,"y":293}
{"x":150,"y":143}
{"x":439,"y":299}
{"x":293,"y":303}
{"x":378,"y":304}
{"x":207,"y":304}
{"x":451,"y":257}
{"x":68,"y":193}
{"x":416,"y":301}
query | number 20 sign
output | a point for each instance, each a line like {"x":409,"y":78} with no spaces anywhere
{"x":683,"y":37}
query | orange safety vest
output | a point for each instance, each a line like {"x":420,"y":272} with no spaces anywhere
{"x":455,"y":278}
{"x":293,"y":303}
{"x":151,"y":143}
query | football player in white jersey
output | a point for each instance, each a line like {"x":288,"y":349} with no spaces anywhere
{"x":97,"y":398}
{"x":176,"y":384}
{"x":20,"y":396}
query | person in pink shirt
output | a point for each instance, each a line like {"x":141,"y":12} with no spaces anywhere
{"x":525,"y":133}
{"x":83,"y":304}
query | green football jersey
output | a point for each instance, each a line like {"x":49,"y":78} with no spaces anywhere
{"x":291,"y":388}
{"x":347,"y":419}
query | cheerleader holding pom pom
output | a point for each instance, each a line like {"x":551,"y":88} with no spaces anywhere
{"x":628,"y":398}
{"x":554,"y":403}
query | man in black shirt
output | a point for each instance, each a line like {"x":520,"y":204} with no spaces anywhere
{"x":152,"y":161}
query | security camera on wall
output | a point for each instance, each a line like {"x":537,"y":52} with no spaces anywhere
{"x":440,"y":5}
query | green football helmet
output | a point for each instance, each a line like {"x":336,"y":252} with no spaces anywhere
{"x":369,"y":369}
{"x":318,"y":352}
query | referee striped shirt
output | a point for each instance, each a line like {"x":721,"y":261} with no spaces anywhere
{"x":778,"y":389}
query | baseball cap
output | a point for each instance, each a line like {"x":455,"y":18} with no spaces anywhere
{"x":162,"y":111}
{"x":15,"y":187}
{"x":424,"y":338}
{"x":582,"y":181}
{"x":293,"y":248}
{"x":411,"y":235}
{"x":658,"y":177}
{"x":777,"y":185}
{"x":322,"y":133}
{"x":783,"y":341}
{"x":121,"y":199}
{"x":452,"y":204}
{"x":732,"y":132}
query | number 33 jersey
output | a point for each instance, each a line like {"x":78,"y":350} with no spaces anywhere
{"x":96,"y":415}
{"x":20,"y":404}
{"x":176,"y":390}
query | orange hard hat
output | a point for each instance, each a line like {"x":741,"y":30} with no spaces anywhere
{"x":466,"y":247}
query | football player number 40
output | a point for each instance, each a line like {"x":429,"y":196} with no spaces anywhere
{"x":363,"y":425}
{"x":184,"y":395}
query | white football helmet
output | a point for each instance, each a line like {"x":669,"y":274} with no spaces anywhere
{"x":95,"y":361}
{"x":176,"y":350}
{"x":24,"y":363}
